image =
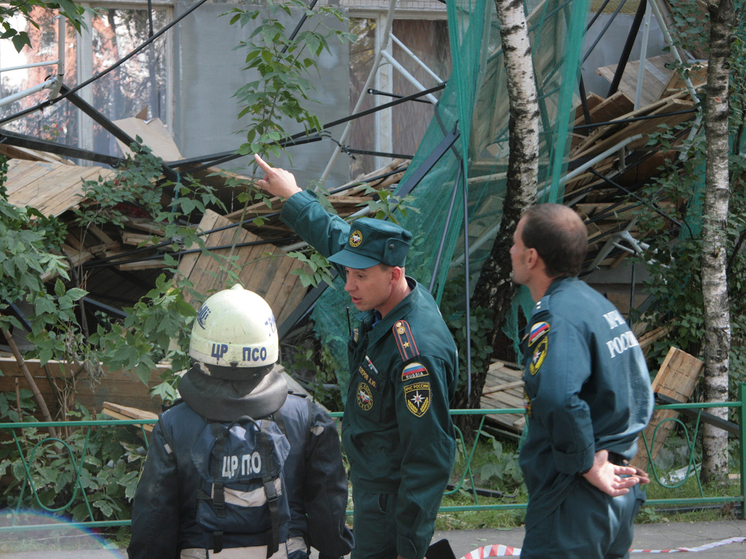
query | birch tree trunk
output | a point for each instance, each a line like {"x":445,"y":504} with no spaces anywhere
{"x":494,"y":289}
{"x":714,"y":238}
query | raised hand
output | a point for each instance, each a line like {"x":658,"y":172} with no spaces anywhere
{"x":278,"y":182}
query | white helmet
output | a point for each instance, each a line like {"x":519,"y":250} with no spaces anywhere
{"x":235,"y":328}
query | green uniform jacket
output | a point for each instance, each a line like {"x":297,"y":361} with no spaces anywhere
{"x":587,"y":388}
{"x":396,"y":429}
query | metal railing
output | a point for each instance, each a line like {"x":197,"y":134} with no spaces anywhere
{"x":78,"y":493}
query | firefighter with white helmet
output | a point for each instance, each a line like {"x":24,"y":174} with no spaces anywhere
{"x":234,"y":346}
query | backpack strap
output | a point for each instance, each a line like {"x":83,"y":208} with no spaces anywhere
{"x":277,"y":418}
{"x":218,"y":489}
{"x":266,"y":449}
{"x":217,"y":542}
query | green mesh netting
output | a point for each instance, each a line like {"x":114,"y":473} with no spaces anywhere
{"x":477,"y":94}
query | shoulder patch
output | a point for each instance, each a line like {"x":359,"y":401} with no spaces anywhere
{"x":413,"y":371}
{"x":417,"y":396}
{"x":540,"y":353}
{"x":537,"y":331}
{"x":404,"y":340}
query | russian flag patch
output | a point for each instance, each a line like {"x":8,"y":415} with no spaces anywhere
{"x":414,"y":370}
{"x":537,"y":331}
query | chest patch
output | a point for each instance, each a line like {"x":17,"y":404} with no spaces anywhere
{"x":537,"y":331}
{"x":540,"y":353}
{"x":417,"y":396}
{"x":413,"y":371}
{"x":364,"y":397}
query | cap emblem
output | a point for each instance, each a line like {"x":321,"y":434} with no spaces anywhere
{"x":356,"y":238}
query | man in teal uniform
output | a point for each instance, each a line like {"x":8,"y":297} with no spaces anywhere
{"x":588,"y":395}
{"x":396,"y":429}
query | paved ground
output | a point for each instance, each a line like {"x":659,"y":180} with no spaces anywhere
{"x":652,"y":537}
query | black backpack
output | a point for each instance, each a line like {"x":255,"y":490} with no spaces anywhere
{"x":242,"y":488}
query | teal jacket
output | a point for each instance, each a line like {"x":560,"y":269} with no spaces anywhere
{"x":587,"y":388}
{"x":396,"y":429}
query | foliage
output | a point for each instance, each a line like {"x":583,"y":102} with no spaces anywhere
{"x":284,"y":64}
{"x":316,"y":364}
{"x":320,"y":269}
{"x":24,"y":8}
{"x":107,"y":464}
{"x":454,"y":314}
{"x":158,"y":325}
{"x":501,"y":466}
{"x":148,"y":334}
{"x":384,"y":205}
{"x":135,"y":183}
{"x":673,"y":260}
{"x":27,"y":241}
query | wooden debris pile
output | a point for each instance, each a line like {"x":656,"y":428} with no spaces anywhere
{"x":601,"y":171}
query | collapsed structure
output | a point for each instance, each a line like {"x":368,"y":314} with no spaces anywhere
{"x":595,"y":154}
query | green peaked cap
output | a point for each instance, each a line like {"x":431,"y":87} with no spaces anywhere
{"x":373,"y":241}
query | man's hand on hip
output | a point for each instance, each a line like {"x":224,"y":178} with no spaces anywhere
{"x":607,"y":476}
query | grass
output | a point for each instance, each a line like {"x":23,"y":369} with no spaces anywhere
{"x":498,"y":457}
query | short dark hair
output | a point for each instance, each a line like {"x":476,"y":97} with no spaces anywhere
{"x":559,"y":236}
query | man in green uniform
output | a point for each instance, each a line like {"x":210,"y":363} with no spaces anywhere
{"x":396,"y":429}
{"x":588,"y":395}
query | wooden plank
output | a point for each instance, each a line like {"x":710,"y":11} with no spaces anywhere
{"x":209,"y":276}
{"x":290,"y":292}
{"x":589,"y":146}
{"x":57,"y":191}
{"x":676,"y":378}
{"x":254,"y":275}
{"x":252,"y":261}
{"x":17,"y":152}
{"x":285,"y":265}
{"x":22,"y":189}
{"x":142,"y":265}
{"x":502,"y":387}
{"x":609,"y":109}
{"x":139,"y":239}
{"x":101,"y":235}
{"x":65,"y":188}
{"x":656,"y":77}
{"x":643,"y":127}
{"x":592,"y":100}
{"x":263,"y":268}
{"x":508,"y":399}
{"x":153,"y":134}
{"x":125,"y":412}
{"x":264,"y":284}
{"x":649,"y":338}
{"x":284,"y":285}
{"x":188,"y":261}
{"x":147,"y":225}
